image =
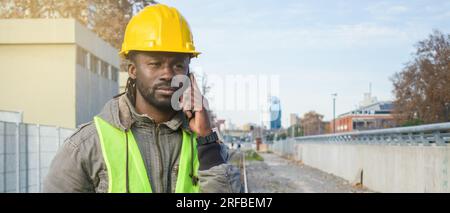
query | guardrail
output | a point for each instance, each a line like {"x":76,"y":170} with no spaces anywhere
{"x":438,"y":134}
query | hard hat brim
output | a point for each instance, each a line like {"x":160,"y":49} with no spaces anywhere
{"x":123,"y":54}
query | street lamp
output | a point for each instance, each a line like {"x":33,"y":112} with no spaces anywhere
{"x":334,"y":111}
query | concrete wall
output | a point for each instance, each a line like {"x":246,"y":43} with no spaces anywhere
{"x":385,"y":168}
{"x":36,"y":31}
{"x":37,"y":146}
{"x":38,"y":79}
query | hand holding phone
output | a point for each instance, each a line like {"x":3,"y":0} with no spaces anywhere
{"x":195,"y":106}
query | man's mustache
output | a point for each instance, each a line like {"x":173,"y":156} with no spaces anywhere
{"x":168,"y":85}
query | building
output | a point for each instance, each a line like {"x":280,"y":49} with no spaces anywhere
{"x":294,"y":120}
{"x":247,"y":127}
{"x":275,"y":113}
{"x":55,"y":71}
{"x":377,"y":115}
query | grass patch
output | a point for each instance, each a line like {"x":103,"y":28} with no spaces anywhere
{"x":251,"y":155}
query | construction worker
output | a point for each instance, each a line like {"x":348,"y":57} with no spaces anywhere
{"x":140,"y":142}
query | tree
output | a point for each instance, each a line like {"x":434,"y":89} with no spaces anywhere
{"x":422,"y":88}
{"x":45,"y":9}
{"x":312,"y":123}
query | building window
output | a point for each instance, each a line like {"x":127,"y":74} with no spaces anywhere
{"x":82,"y":56}
{"x":104,"y":69}
{"x":114,"y":74}
{"x":94,"y":64}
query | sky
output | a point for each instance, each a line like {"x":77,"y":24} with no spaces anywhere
{"x":314,"y":48}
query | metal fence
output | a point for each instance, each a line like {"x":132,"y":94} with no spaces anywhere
{"x":26,"y":151}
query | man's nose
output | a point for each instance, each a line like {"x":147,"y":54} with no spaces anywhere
{"x":167,"y":72}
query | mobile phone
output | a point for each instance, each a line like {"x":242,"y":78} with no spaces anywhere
{"x":189,"y":76}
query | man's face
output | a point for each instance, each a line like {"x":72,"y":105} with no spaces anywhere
{"x":154,"y":71}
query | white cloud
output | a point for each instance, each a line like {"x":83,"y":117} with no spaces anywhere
{"x":386,"y":10}
{"x":321,"y":37}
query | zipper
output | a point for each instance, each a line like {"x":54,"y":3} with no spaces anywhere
{"x":160,"y":154}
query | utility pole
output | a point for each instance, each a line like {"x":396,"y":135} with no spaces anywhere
{"x":446,"y":112}
{"x":334,"y":111}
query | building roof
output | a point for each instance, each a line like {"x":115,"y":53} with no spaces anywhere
{"x":378,"y":108}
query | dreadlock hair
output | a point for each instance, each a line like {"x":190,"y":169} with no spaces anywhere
{"x":130,"y":88}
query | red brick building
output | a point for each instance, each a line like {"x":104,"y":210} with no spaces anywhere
{"x":374,"y":116}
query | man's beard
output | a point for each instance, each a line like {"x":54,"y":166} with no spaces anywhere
{"x":148,"y":93}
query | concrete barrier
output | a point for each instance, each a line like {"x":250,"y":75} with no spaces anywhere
{"x":408,"y":159}
{"x":382,"y":168}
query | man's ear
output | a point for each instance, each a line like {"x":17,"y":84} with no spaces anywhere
{"x":132,"y":70}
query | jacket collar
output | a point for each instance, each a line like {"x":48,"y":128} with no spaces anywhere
{"x":120,"y":112}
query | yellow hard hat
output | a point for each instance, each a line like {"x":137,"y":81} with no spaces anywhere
{"x":158,"y":28}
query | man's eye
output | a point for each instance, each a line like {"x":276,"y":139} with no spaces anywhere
{"x":179,"y":66}
{"x":154,"y":64}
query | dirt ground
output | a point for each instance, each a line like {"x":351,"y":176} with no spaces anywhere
{"x":276,"y":174}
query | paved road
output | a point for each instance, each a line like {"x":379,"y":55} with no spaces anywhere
{"x":276,"y":174}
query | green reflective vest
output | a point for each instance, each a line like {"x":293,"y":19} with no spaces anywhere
{"x":114,"y":147}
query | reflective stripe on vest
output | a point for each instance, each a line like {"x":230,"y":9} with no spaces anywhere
{"x":113,"y":144}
